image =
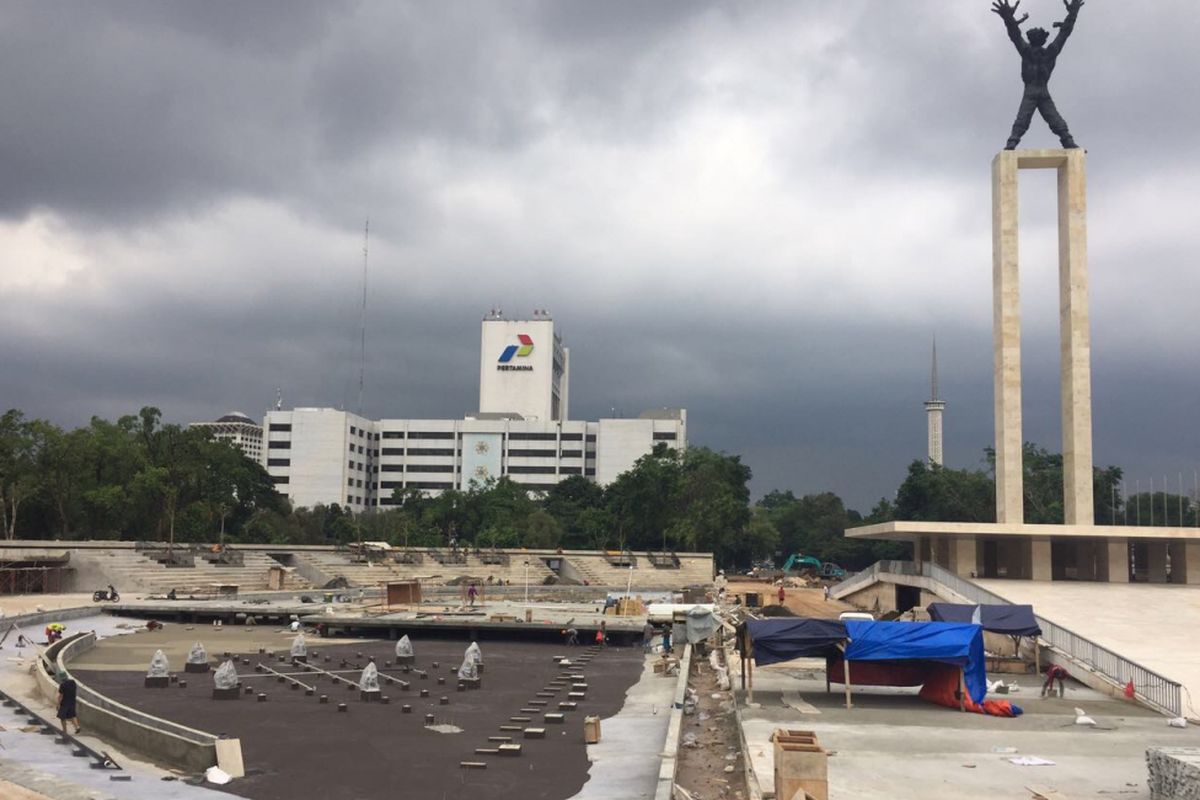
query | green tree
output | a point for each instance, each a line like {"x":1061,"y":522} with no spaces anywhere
{"x":933,"y":493}
{"x":18,"y":474}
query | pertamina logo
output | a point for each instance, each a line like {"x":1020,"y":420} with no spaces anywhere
{"x":520,"y":351}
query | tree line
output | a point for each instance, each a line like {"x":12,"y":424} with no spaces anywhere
{"x":140,"y":479}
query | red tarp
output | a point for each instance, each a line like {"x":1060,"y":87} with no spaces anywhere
{"x":941,"y":687}
{"x":878,"y":673}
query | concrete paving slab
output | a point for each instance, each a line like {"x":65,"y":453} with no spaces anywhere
{"x":1146,"y":623}
{"x":625,"y":762}
{"x":892,"y":744}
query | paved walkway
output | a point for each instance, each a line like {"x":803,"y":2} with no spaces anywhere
{"x":1147,"y":623}
{"x":35,"y":762}
{"x":626,"y":761}
{"x":894,"y":745}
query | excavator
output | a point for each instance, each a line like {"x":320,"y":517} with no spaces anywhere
{"x":812,"y":566}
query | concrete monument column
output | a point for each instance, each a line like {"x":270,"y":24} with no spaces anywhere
{"x":1039,"y":558}
{"x":1075,"y":338}
{"x":1118,"y":559}
{"x":963,"y":555}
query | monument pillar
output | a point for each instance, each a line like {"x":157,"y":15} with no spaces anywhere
{"x":1040,"y":558}
{"x":1075,"y":338}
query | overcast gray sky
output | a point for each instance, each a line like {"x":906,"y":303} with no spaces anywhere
{"x":760,"y":211}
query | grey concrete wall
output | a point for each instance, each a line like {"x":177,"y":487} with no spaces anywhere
{"x":152,"y":742}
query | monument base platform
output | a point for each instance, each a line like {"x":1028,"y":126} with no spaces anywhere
{"x":1105,"y":553}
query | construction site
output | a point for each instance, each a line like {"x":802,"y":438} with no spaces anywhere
{"x":897,"y":681}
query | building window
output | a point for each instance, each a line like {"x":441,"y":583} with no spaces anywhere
{"x":589,"y":471}
{"x":664,"y":436}
{"x":591,"y":437}
{"x":358,"y":483}
{"x":276,"y":444}
{"x":431,"y":434}
{"x":431,"y":451}
{"x":352,"y":447}
{"x":431,"y":468}
{"x":350,"y":465}
{"x":358,"y":466}
{"x":353,"y":430}
{"x":572,"y":437}
{"x":280,"y":426}
{"x":350,"y":482}
{"x":519,"y":453}
{"x":571,"y":471}
{"x":279,"y":479}
{"x":386,"y":501}
{"x":393,"y":451}
{"x":360,"y":449}
{"x":430,"y":485}
{"x":531,"y":470}
{"x":279,"y":462}
{"x":391,"y":484}
{"x":572,"y":454}
{"x":393,"y":435}
{"x":533,"y":437}
{"x":392,"y":468}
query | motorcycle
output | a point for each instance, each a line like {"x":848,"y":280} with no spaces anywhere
{"x":102,"y":595}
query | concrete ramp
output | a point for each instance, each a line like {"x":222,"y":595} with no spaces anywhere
{"x":1147,"y":623}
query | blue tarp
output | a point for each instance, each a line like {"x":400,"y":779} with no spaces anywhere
{"x":1013,"y":620}
{"x":784,"y":638}
{"x":944,"y":642}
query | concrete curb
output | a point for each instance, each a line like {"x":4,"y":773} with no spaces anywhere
{"x":670,"y":751}
{"x":752,"y":786}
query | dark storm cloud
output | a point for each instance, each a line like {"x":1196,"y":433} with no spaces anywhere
{"x":761,"y":212}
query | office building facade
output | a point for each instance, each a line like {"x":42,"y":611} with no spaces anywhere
{"x":325,"y":455}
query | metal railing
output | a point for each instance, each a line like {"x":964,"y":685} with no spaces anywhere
{"x":1155,"y":690}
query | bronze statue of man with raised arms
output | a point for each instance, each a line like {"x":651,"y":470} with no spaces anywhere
{"x":1037,"y":64}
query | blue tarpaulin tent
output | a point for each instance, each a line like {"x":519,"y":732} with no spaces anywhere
{"x":960,"y":644}
{"x":1012,"y":620}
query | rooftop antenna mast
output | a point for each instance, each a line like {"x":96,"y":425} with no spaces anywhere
{"x":362,"y":354}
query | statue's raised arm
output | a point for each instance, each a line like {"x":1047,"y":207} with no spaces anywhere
{"x":1008,"y":13}
{"x":1066,"y":26}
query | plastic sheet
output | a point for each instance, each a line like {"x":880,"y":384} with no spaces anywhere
{"x":404,"y":647}
{"x":469,"y":670}
{"x":474,"y":654}
{"x":226,"y":676}
{"x":159,"y":666}
{"x":197,"y":654}
{"x":299,"y":646}
{"x":369,"y":682}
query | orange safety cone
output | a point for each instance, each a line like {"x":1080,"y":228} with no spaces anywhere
{"x":1129,"y":691}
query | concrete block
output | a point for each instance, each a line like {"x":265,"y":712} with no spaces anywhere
{"x":157,"y":683}
{"x":554,"y":718}
{"x":509,"y":749}
{"x":196,"y":668}
{"x":535,"y":733}
{"x":1174,"y":773}
{"x":232,"y":693}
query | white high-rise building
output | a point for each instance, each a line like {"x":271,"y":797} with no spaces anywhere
{"x":521,"y":431}
{"x":237,"y":429}
{"x":523,"y":368}
{"x":322,"y":455}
